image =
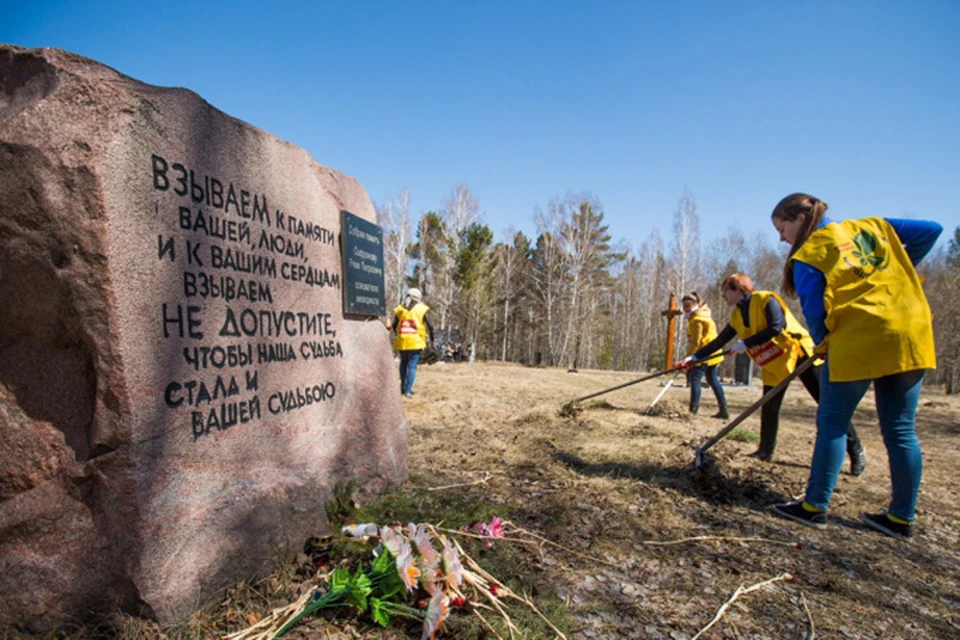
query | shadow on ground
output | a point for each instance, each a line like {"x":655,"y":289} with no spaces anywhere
{"x":708,"y":484}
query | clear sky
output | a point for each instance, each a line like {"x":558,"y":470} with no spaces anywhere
{"x":854,"y":101}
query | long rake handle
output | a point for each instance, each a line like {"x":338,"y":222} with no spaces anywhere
{"x":627,"y":384}
{"x":756,"y":405}
{"x":656,"y":374}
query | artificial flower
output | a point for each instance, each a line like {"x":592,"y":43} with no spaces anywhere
{"x":430,"y":580}
{"x":429,"y":558}
{"x":406,"y":569}
{"x":452,"y":568}
{"x":492,"y":530}
{"x":437,"y":612}
{"x":391,"y":539}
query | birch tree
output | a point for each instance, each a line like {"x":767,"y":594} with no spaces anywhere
{"x":547,"y":278}
{"x":511,"y":267}
{"x":434,"y":268}
{"x":686,"y":252}
{"x":393,"y":216}
{"x":686,"y":243}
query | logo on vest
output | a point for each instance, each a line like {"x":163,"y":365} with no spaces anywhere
{"x":408,"y":327}
{"x":765,"y":353}
{"x":866,"y":255}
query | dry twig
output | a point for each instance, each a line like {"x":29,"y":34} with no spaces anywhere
{"x":667,"y":543}
{"x":811,"y":634}
{"x":268,"y":627}
{"x":736,"y":594}
{"x":486,"y":478}
{"x":476,"y":536}
{"x":560,"y":546}
{"x":477,"y":575}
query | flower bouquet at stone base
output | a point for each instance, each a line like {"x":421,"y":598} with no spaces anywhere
{"x":411,"y":565}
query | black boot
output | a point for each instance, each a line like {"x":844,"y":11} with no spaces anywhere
{"x":694,"y":410}
{"x":722,"y":414}
{"x":858,"y":460}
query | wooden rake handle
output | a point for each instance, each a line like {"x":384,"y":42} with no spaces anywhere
{"x":653,"y":375}
{"x":809,"y":362}
{"x":656,"y":374}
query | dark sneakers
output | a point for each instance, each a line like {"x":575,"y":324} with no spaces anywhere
{"x":722,"y":414}
{"x":760,"y":454}
{"x":885,"y":525}
{"x":858,"y":461}
{"x":795,"y":511}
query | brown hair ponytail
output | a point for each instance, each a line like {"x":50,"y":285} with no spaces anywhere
{"x":694,"y":297}
{"x":788,"y":210}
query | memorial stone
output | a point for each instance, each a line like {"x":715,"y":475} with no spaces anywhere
{"x":181,"y":391}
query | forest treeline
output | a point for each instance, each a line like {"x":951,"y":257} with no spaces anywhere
{"x":569,"y":297}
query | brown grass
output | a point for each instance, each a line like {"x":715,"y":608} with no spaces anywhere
{"x":606,"y":481}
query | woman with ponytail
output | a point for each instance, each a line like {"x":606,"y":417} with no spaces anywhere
{"x":701,"y":330}
{"x":866,"y":311}
{"x":778,"y":344}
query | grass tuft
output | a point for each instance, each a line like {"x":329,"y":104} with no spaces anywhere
{"x":740,"y":434}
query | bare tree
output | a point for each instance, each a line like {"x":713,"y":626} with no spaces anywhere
{"x":686,"y":250}
{"x":547,"y":276}
{"x":460,"y":210}
{"x":393,"y":216}
{"x":512,"y":261}
{"x":941,"y":271}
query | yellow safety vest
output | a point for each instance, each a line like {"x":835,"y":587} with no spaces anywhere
{"x":701,"y":330}
{"x":778,"y":356}
{"x":878,"y":317}
{"x":411,"y":330}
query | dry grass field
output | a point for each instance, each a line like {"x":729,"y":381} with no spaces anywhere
{"x":644,"y":545}
{"x":614,"y":484}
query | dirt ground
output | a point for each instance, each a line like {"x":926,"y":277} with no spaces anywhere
{"x":611,"y":483}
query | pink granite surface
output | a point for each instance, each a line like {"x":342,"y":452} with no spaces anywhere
{"x":180,"y":391}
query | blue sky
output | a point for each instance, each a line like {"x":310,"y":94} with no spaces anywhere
{"x":856,"y":102}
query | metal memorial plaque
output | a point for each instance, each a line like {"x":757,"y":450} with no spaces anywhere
{"x":363,"y":290}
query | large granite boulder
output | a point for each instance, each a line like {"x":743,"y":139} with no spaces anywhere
{"x":180,"y":391}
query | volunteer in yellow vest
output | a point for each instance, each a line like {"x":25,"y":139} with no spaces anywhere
{"x":701,"y":329}
{"x":867,"y":312}
{"x":773,"y":338}
{"x":413,"y":333}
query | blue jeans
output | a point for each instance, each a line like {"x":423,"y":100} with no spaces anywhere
{"x":897,"y":396}
{"x":694,"y":376}
{"x":408,"y":369}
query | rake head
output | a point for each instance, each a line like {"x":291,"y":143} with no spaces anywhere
{"x":571,"y":410}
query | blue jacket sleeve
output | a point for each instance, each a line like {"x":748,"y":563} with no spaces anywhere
{"x":811,"y":284}
{"x":917,"y":236}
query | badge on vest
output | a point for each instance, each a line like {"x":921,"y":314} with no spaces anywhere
{"x":866,"y":254}
{"x":408,"y":327}
{"x":764,"y":354}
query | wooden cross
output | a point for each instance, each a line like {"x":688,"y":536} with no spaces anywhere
{"x":670,"y":314}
